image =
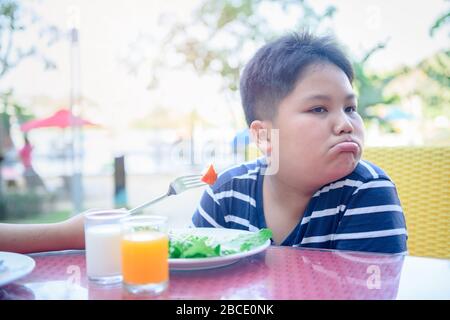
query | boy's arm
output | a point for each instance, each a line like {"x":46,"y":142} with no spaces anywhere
{"x":27,"y":238}
{"x":373,"y":220}
{"x":209,"y":213}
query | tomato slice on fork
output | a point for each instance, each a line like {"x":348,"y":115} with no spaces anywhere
{"x":210,"y":176}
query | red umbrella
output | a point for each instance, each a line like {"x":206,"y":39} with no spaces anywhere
{"x":61,"y":119}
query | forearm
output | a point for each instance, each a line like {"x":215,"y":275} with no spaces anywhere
{"x":27,"y":238}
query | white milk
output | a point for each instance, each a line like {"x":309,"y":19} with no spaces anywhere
{"x":103,"y":257}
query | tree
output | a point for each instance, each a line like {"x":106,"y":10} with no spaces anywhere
{"x":221,"y":35}
{"x":436,"y":93}
{"x":15,"y":20}
{"x":371,"y":87}
{"x":440,"y":22}
{"x":437,"y":69}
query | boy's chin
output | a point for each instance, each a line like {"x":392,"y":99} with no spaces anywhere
{"x":341,"y":170}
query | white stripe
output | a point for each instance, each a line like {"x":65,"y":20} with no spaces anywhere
{"x":370,"y":234}
{"x":241,"y":221}
{"x":212,"y":195}
{"x":237,"y":195}
{"x":323,"y":213}
{"x":208,"y":218}
{"x":339,"y":184}
{"x":238,"y":166}
{"x":369,"y":168}
{"x":373,"y":209}
{"x":246,"y":176}
{"x":254,"y":170}
{"x":375,"y":184}
{"x":354,"y":235}
{"x":316,"y":239}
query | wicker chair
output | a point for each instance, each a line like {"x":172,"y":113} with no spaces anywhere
{"x":422,"y":178}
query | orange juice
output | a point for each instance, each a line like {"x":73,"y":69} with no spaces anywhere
{"x":145,"y":258}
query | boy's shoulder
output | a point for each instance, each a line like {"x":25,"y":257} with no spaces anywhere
{"x":241,"y":173}
{"x":248,"y":172}
{"x":366,"y":171}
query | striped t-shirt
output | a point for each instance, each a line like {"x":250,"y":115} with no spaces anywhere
{"x":360,"y":212}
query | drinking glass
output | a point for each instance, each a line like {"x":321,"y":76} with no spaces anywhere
{"x":145,"y":254}
{"x":102,"y":238}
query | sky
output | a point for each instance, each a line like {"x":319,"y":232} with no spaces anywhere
{"x":108,"y":28}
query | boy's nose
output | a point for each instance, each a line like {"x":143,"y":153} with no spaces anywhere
{"x":343,"y":124}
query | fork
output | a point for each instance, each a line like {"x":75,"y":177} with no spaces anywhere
{"x":177,"y":186}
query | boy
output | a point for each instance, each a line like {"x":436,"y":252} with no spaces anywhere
{"x":320,"y":194}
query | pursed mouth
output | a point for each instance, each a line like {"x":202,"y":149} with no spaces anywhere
{"x":346,"y":146}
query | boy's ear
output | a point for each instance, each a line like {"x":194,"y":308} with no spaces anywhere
{"x":260,"y":131}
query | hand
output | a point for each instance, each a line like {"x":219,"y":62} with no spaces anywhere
{"x":74,"y":230}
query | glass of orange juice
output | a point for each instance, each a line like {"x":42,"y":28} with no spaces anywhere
{"x":145,"y":254}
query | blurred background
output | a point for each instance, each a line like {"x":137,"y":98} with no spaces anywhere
{"x":103,"y":103}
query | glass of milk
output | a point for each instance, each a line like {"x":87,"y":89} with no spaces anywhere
{"x":103,"y":237}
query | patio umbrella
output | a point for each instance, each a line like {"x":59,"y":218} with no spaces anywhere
{"x":242,"y":138}
{"x":63,"y":118}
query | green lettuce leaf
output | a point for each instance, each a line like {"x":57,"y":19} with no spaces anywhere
{"x":191,"y":246}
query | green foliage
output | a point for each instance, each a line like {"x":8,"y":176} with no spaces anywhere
{"x":191,"y":246}
{"x":10,"y":24}
{"x":436,"y":93}
{"x":14,"y":20}
{"x":440,"y":22}
{"x":10,"y":107}
{"x":246,"y":242}
{"x":371,"y":87}
{"x":24,"y":205}
{"x":437,"y":68}
{"x":221,"y":33}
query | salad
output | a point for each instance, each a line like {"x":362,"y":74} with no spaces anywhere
{"x":194,"y":246}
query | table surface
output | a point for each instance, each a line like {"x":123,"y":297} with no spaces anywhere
{"x":277,"y":273}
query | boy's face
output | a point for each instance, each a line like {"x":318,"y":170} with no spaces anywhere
{"x":320,"y":133}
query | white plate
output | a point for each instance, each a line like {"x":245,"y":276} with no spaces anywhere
{"x":14,"y":266}
{"x":213,"y":262}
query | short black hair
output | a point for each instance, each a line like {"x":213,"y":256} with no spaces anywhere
{"x":275,"y":68}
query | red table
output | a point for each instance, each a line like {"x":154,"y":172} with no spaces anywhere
{"x":277,"y":273}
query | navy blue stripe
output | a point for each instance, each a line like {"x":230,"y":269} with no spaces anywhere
{"x":322,"y":226}
{"x":374,"y":197}
{"x":318,"y":245}
{"x":245,"y":186}
{"x":200,"y":222}
{"x":234,"y":225}
{"x":332,"y":198}
{"x":389,"y":244}
{"x":372,"y":222}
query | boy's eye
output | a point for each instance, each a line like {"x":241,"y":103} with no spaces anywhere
{"x":350,"y":109}
{"x":318,"y":110}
